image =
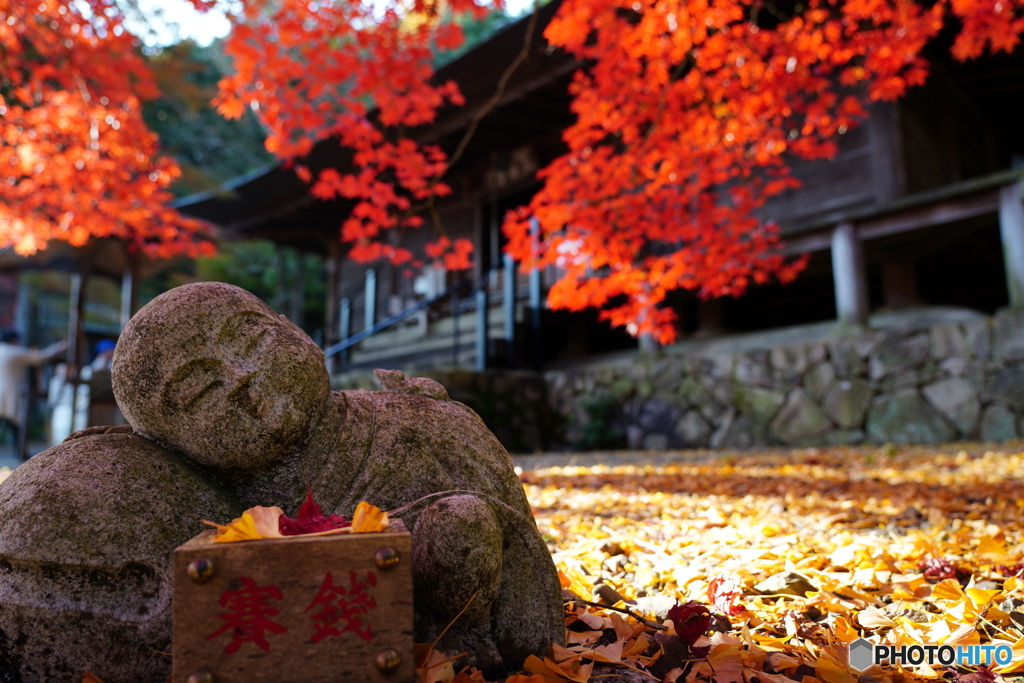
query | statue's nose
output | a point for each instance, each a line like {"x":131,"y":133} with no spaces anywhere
{"x":242,"y":396}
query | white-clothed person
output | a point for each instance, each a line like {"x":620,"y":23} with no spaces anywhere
{"x":14,"y":359}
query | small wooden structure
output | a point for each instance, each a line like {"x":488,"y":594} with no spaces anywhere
{"x":304,"y":610}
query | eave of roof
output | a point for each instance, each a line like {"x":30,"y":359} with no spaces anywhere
{"x":247,"y":205}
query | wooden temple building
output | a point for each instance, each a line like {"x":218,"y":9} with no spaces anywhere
{"x":921,"y":206}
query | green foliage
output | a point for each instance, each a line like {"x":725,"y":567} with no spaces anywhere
{"x":598,"y":431}
{"x":209,"y":148}
{"x":251,"y":265}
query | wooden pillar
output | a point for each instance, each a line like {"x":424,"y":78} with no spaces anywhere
{"x":129,"y":289}
{"x":332,"y":305}
{"x":848,"y":275}
{"x":536,"y":302}
{"x":344,"y":329}
{"x":481,"y":329}
{"x":23,"y":312}
{"x":370,"y":303}
{"x":76,"y":315}
{"x":1011,"y":229}
{"x":509,"y":305}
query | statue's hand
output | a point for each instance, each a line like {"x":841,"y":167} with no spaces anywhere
{"x":105,"y":429}
{"x":395,"y":380}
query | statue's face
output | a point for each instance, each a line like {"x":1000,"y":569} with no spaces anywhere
{"x":215,"y":373}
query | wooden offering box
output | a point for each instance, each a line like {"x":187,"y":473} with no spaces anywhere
{"x":295,"y":610}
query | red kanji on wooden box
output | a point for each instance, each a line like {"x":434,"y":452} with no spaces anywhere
{"x":301,"y":609}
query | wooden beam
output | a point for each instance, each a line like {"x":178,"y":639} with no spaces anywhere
{"x":848,"y":275}
{"x":947,"y":211}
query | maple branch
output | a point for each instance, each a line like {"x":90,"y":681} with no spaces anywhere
{"x":499,"y":92}
{"x":646,"y":622}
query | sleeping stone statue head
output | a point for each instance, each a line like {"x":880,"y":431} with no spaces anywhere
{"x":211,"y":370}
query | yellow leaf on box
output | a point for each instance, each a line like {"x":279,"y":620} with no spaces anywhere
{"x":255,"y":523}
{"x":368,"y":519}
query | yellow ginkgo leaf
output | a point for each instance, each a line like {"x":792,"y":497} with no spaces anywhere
{"x":255,"y":523}
{"x":948,"y":589}
{"x":368,"y":518}
{"x":844,"y":631}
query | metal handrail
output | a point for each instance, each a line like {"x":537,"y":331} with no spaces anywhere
{"x":412,"y":310}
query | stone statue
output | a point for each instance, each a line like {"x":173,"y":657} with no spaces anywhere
{"x":211,"y":378}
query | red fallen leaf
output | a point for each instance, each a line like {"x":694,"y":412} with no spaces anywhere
{"x":311,"y":519}
{"x":725,"y":594}
{"x":691,"y":620}
{"x":982,"y":675}
{"x":937,"y":569}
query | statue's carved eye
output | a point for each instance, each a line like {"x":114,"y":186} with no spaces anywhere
{"x":192,"y":383}
{"x":245,"y":331}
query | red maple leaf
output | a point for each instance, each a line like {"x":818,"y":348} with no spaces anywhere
{"x":691,"y":620}
{"x":311,"y":519}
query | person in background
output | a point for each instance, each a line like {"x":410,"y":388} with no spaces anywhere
{"x":104,"y":355}
{"x":14,"y":359}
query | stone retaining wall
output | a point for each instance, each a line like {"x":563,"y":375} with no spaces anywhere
{"x":941,"y":382}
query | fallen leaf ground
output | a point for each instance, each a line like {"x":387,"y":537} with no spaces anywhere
{"x":902,"y":546}
{"x":762,"y":567}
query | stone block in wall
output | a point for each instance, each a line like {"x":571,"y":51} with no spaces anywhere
{"x":738,"y":431}
{"x":978,"y":335}
{"x":656,"y":442}
{"x":788,"y":363}
{"x":656,"y":415}
{"x":799,"y":418}
{"x":816,"y":353}
{"x":948,"y":341}
{"x":818,"y":378}
{"x":1009,"y":335}
{"x":1008,"y":386}
{"x":634,"y":437}
{"x":667,"y":373}
{"x":954,"y":367}
{"x":752,"y":369}
{"x":998,"y":423}
{"x":846,"y":402}
{"x":905,"y":417}
{"x":692,"y":430}
{"x":898,"y":355}
{"x":844,"y":437}
{"x":914,"y":377}
{"x":759,"y":404}
{"x":846,"y":359}
{"x":722,"y":392}
{"x":956,"y":401}
{"x":694,"y":393}
{"x":718,"y":366}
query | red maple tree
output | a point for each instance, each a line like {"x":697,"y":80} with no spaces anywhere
{"x":685,"y":117}
{"x":76,"y":159}
{"x":686,"y":112}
